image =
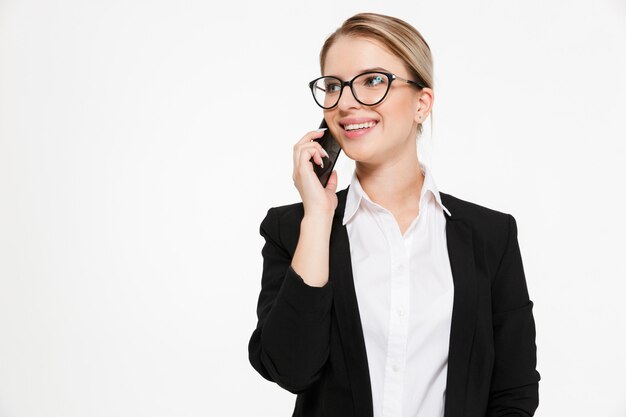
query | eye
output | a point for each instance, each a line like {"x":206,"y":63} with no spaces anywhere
{"x":332,"y":87}
{"x":374,"y":80}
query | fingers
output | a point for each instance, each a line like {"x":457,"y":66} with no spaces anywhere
{"x":308,"y":140}
{"x":314,"y":197}
{"x":307,"y":148}
{"x":331,"y":185}
{"x":308,"y":153}
{"x":313,"y":134}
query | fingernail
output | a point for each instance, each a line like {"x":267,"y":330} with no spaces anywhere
{"x":325,"y":153}
{"x":321,"y":129}
{"x":322,"y":163}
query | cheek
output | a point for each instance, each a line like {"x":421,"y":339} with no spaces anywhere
{"x":399,"y":116}
{"x":399,"y":105}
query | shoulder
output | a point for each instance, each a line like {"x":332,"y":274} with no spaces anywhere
{"x":291,"y":214}
{"x":487,"y":223}
{"x":471,"y":211}
{"x":285,"y":216}
{"x":283,"y":222}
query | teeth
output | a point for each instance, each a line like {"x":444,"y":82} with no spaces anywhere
{"x":360,"y":126}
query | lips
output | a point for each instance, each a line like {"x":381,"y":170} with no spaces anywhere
{"x":354,"y":131}
{"x":355,"y":121}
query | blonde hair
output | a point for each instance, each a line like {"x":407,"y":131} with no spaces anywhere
{"x":402,"y":40}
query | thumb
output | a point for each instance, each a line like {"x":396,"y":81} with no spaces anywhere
{"x":331,"y":185}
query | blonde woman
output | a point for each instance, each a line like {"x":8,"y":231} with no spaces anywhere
{"x":389,"y":298}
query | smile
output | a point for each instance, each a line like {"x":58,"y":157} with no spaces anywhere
{"x":359,"y":130}
{"x":359,"y":126}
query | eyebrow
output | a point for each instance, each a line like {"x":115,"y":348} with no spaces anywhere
{"x":365,"y":70}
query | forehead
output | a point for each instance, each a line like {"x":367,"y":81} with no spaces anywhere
{"x":348,"y":56}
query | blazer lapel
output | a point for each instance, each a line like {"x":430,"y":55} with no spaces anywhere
{"x":461,"y":254}
{"x":347,"y":312}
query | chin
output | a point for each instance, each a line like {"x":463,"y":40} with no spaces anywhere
{"x":365,"y":150}
{"x":367,"y":156}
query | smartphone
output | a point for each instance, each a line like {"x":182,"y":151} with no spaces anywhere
{"x":333,"y":149}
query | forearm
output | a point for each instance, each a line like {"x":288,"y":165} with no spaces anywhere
{"x":310,"y":259}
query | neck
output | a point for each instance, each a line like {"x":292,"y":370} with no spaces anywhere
{"x":395,"y":185}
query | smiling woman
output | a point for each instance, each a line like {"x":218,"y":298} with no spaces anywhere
{"x":389,"y":298}
{"x":395,"y":108}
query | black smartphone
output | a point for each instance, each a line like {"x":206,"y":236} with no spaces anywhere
{"x":333,"y":149}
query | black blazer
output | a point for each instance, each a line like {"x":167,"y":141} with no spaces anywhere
{"x":309,"y":340}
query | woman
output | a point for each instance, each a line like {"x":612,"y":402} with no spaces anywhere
{"x":389,"y":298}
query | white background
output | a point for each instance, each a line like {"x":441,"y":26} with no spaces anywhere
{"x":142,"y":142}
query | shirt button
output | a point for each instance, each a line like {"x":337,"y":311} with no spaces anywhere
{"x":395,"y":368}
{"x":401,"y":313}
{"x":400,"y":268}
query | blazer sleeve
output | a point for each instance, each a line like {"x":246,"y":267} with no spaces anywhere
{"x":515,"y":380}
{"x":291,"y":342}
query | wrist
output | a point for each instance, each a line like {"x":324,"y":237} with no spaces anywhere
{"x":318,"y":220}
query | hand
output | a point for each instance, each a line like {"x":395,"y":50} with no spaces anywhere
{"x":316,"y":199}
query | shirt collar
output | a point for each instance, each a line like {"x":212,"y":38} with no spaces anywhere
{"x":356,"y":193}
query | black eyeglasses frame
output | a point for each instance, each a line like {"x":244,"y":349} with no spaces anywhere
{"x":390,"y":78}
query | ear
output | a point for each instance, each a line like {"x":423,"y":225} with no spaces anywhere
{"x":425,"y":99}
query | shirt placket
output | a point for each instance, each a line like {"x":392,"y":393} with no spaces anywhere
{"x":395,"y":365}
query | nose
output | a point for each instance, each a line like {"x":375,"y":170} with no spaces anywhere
{"x":347,"y":100}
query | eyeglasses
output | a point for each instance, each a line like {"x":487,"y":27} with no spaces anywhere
{"x":368,"y":88}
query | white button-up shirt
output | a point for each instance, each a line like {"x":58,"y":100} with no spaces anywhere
{"x":405,"y":291}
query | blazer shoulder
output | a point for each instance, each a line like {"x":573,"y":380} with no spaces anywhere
{"x":282,"y":223}
{"x":487,"y":221}
{"x":281,"y":219}
{"x":289,"y":210}
{"x":291,"y":214}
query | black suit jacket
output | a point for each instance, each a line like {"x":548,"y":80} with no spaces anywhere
{"x":309,"y":340}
